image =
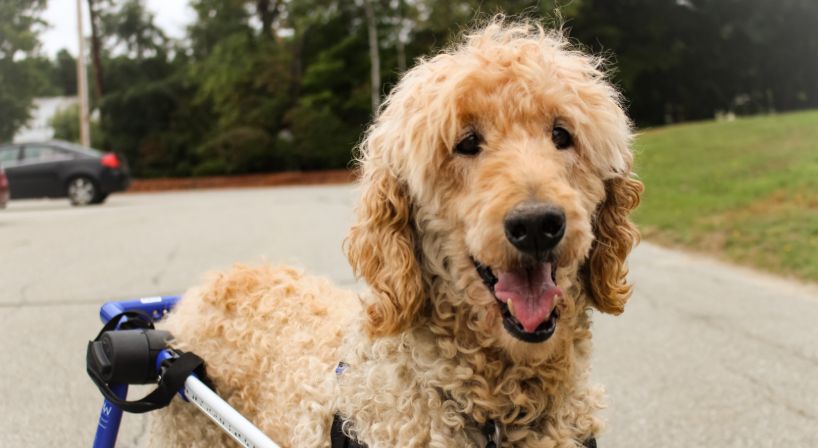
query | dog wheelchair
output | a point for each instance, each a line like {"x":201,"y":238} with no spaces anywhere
{"x":129,"y":350}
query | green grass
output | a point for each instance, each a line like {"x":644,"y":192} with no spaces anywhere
{"x":746,"y":190}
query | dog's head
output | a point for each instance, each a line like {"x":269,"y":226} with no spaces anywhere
{"x":497,"y":185}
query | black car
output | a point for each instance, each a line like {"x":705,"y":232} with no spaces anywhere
{"x":58,"y":169}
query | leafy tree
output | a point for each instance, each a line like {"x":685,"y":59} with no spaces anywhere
{"x":374,"y":55}
{"x":321,"y":140}
{"x":128,"y":27}
{"x":243,"y":150}
{"x":156,"y":125}
{"x":269,"y":11}
{"x":96,"y":49}
{"x":20,"y":23}
{"x":41,"y":75}
{"x":216,"y":20}
{"x":19,"y":81}
{"x":246,"y":81}
{"x":138,"y":98}
{"x":274,"y":84}
{"x":64,"y":75}
{"x":66,"y":125}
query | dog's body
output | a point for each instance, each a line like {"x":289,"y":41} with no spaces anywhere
{"x":496,"y":188}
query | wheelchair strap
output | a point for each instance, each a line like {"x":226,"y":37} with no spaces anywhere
{"x":175,"y":370}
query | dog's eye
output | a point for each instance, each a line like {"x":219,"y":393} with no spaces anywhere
{"x":561,"y":138}
{"x":470,"y":145}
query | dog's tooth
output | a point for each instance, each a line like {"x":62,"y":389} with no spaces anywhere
{"x":510,"y":305}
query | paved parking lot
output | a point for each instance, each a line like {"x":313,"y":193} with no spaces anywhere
{"x":705,"y":354}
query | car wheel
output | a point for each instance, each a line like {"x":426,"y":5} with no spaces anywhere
{"x":82,"y":191}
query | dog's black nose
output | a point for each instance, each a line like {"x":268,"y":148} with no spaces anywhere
{"x":535,"y":228}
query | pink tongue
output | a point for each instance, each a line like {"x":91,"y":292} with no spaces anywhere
{"x":532,"y":292}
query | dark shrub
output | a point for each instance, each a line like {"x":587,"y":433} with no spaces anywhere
{"x":321,"y":140}
{"x":242,"y":150}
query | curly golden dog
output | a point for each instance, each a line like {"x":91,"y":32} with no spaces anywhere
{"x":497,"y":182}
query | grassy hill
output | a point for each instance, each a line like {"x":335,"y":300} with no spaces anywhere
{"x":746,"y":190}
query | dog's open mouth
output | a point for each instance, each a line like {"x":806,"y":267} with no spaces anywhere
{"x":526,"y":297}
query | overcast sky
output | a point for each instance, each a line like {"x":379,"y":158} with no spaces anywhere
{"x":171,"y":15}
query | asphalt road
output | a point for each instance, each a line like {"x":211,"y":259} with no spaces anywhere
{"x":705,"y":355}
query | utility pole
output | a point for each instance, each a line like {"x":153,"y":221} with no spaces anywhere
{"x":82,"y":83}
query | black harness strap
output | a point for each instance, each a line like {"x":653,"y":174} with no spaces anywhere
{"x":492,"y":433}
{"x":338,"y":439}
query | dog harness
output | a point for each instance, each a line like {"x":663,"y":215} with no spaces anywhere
{"x":339,"y":438}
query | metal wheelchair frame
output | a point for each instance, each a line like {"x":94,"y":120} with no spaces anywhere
{"x":194,"y":390}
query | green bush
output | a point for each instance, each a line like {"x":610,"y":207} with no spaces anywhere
{"x":66,"y":125}
{"x":157,"y":126}
{"x":320,"y":139}
{"x":242,"y":150}
{"x":164,"y":154}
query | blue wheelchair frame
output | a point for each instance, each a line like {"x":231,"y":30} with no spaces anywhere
{"x":110,"y":416}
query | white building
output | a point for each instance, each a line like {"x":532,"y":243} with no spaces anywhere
{"x":37,"y":128}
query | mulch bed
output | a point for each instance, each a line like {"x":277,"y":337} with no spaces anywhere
{"x":244,"y":181}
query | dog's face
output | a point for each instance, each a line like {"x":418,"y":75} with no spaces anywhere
{"x":502,"y":167}
{"x":517,"y":190}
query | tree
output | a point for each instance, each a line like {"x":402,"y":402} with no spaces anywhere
{"x":374,"y":56}
{"x":275,"y":84}
{"x":66,"y":125}
{"x":64,"y":75}
{"x":96,"y":49}
{"x":129,"y":28}
{"x":268,"y":11}
{"x":20,"y":25}
{"x":143,"y":89}
{"x":245,"y":81}
{"x":679,"y":61}
{"x":215,"y":20}
{"x":403,"y":20}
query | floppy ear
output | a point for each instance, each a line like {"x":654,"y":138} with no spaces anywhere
{"x":605,"y":273}
{"x":381,"y":249}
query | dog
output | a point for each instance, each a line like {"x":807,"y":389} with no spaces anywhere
{"x":494,"y":218}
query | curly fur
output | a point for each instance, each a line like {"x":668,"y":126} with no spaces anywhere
{"x":429,"y":359}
